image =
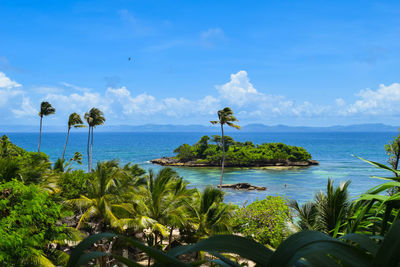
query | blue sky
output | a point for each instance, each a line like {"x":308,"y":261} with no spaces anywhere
{"x":314,"y":63}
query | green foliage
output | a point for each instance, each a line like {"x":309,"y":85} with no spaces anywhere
{"x":210,"y":215}
{"x":266,"y":221}
{"x":240,"y":153}
{"x":17,"y":163}
{"x":73,"y":184}
{"x":306,"y":248}
{"x":29,"y":221}
{"x":393,"y":151}
{"x":328,"y":212}
{"x":185,"y":153}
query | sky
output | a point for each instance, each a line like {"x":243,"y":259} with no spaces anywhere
{"x":299,"y":63}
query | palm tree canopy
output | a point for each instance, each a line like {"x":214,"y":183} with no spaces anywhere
{"x":75,"y":120}
{"x":46,"y":109}
{"x":95,"y":117}
{"x":225,"y":116}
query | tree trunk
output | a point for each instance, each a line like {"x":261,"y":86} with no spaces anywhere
{"x":223,"y":156}
{"x":91,"y":151}
{"x":66,"y":142}
{"x":40,"y":133}
{"x":170,"y":237}
{"x":88,"y":154}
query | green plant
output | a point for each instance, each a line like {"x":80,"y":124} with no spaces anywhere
{"x":46,"y":109}
{"x":28,"y":224}
{"x":328,"y":212}
{"x":266,"y":221}
{"x":225,"y":116}
{"x":306,"y":248}
{"x":74,"y":120}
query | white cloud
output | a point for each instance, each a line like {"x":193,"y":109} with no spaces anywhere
{"x":8,"y":90}
{"x":123,"y":105}
{"x":384,"y":101}
{"x":240,"y":92}
{"x":26,"y":110}
{"x":7,"y":83}
{"x":76,"y":102}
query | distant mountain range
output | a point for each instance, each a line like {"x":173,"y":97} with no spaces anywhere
{"x":376,"y":127}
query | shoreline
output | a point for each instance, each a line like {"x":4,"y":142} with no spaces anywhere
{"x":172,"y":161}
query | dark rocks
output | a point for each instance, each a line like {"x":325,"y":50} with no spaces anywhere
{"x":171,"y":161}
{"x":244,"y":186}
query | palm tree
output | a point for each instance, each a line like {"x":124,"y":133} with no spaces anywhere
{"x":75,"y":121}
{"x":159,"y":205}
{"x":45,"y":109}
{"x":225,"y":116}
{"x":94,"y":118}
{"x":213,"y":216}
{"x":327,"y":212}
{"x":102,"y":196}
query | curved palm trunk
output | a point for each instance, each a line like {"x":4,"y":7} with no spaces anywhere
{"x":223,"y":155}
{"x":40,"y":133}
{"x":66,"y":142}
{"x":91,"y":150}
{"x":88,"y":155}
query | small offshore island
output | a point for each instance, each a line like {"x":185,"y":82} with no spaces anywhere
{"x":238,"y":154}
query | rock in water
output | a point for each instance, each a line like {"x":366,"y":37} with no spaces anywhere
{"x":244,"y":186}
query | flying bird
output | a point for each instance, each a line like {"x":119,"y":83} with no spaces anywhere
{"x":129,"y":58}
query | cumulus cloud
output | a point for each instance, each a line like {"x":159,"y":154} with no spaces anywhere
{"x":8,"y":89}
{"x":240,"y":92}
{"x":385,"y":100}
{"x":121,"y":104}
{"x":7,"y":83}
{"x":26,"y":109}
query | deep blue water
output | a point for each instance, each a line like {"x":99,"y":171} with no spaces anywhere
{"x":333,"y":151}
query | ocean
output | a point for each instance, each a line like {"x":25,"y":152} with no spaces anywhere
{"x":334,"y":151}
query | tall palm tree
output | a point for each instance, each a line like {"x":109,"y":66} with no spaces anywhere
{"x":45,"y":109}
{"x":225,"y":116}
{"x":94,"y":117}
{"x":75,"y":121}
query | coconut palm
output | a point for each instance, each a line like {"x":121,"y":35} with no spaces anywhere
{"x":103,"y":195}
{"x":75,"y":121}
{"x":225,"y":116}
{"x":328,"y":212}
{"x":159,"y":205}
{"x":94,"y":117}
{"x":212,"y":215}
{"x":45,"y":109}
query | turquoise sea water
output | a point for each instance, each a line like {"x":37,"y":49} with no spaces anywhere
{"x":333,"y":151}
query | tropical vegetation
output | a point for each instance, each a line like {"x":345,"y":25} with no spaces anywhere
{"x":74,"y":120}
{"x":55,"y":214}
{"x":46,"y":109}
{"x":239,"y":154}
{"x":225,"y":116}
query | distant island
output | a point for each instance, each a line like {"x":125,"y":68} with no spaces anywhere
{"x":249,"y":128}
{"x":238,"y":154}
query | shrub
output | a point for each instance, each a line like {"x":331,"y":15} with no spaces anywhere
{"x":266,"y":221}
{"x":73,"y":184}
{"x":28,"y":223}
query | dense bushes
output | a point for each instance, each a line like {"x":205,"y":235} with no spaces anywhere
{"x":29,"y":221}
{"x":266,"y":221}
{"x":240,"y":153}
